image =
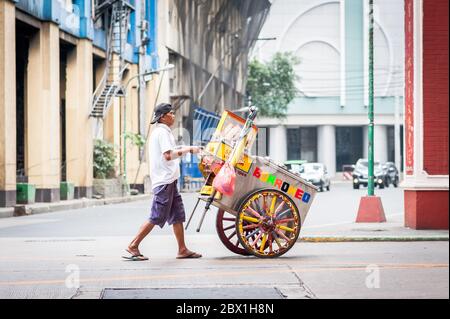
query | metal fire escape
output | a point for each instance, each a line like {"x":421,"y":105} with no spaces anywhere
{"x":116,"y":14}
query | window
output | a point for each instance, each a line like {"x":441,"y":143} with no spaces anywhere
{"x":293,"y":147}
{"x":261,"y":146}
{"x":391,"y":144}
{"x":349,"y":146}
{"x":302,"y":144}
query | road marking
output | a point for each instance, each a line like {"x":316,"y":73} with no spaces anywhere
{"x":202,"y":274}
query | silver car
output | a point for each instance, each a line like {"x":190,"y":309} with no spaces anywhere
{"x":361,"y":174}
{"x":316,"y":174}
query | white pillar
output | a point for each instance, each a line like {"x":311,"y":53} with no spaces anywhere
{"x":397,"y":133}
{"x":42,"y":111}
{"x":365,"y":142}
{"x":278,"y":144}
{"x":380,"y":143}
{"x":79,"y":133}
{"x":326,"y":142}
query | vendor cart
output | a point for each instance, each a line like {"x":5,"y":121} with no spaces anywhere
{"x":268,"y":207}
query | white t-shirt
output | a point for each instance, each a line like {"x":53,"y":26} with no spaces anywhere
{"x":162,"y":171}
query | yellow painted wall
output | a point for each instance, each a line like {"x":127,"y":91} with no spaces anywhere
{"x":7,"y":96}
{"x":79,"y":135}
{"x":132,"y":120}
{"x":43,"y":125}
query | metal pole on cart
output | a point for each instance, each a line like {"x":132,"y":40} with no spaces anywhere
{"x":234,"y":157}
{"x":198,"y":200}
{"x":192,"y":214}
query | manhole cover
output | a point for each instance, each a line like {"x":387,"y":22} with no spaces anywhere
{"x":191,"y":293}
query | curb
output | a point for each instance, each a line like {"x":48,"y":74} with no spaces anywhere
{"x":41,"y":208}
{"x":337,"y":239}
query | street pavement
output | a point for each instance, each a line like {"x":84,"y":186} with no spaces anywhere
{"x":77,"y":254}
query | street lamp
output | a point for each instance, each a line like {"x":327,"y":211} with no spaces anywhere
{"x":125,"y":92}
{"x":370,"y":207}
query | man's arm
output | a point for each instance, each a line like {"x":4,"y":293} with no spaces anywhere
{"x":174,"y":154}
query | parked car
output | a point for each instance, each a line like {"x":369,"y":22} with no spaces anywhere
{"x":316,"y":174}
{"x":392,"y":174}
{"x":361,"y":174}
{"x":294,"y":165}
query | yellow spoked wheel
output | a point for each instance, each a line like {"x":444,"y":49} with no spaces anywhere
{"x":268,"y":224}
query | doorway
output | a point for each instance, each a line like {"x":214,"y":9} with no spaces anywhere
{"x":24,"y":33}
{"x":349,"y":145}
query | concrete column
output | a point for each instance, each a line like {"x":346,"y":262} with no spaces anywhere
{"x":79,"y":133}
{"x":380,"y":143}
{"x":132,"y":112}
{"x":278,"y":144}
{"x":151,"y":96}
{"x":326,"y":139}
{"x":365,"y":141}
{"x":43,"y":125}
{"x":7,"y":104}
{"x":112,"y":122}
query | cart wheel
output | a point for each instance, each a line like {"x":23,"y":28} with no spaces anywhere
{"x":268,"y":223}
{"x":226,"y":229}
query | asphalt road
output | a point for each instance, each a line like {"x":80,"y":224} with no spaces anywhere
{"x":77,"y":254}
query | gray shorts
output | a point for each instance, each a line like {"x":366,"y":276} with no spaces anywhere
{"x":167,"y":206}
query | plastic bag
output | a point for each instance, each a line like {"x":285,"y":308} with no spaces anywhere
{"x":225,"y":180}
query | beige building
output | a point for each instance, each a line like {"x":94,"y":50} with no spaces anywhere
{"x":69,"y":73}
{"x":52,"y":76}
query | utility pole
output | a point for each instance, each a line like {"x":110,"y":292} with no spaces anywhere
{"x":370,"y":188}
{"x":370,"y":207}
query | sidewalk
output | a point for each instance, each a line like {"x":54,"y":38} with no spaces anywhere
{"x":357,"y":232}
{"x":392,"y":230}
{"x":39,"y":208}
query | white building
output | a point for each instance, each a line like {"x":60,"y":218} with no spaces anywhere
{"x":328,"y":121}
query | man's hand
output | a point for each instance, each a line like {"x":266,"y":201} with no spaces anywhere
{"x":196,"y":149}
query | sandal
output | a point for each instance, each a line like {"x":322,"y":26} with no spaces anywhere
{"x":190,"y":255}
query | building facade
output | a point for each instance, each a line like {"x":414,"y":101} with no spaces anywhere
{"x":56,"y":57}
{"x":426,"y":181}
{"x":327,"y":122}
{"x":72,"y":71}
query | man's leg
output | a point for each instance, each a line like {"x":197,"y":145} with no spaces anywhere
{"x":178,"y":216}
{"x":183,"y":252}
{"x":145,"y":229}
{"x":178,"y":229}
